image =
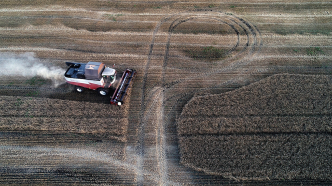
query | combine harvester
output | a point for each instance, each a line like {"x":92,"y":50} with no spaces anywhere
{"x":96,"y":76}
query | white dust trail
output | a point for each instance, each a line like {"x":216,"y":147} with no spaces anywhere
{"x":27,"y":65}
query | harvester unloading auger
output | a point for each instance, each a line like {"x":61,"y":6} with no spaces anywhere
{"x":96,"y":76}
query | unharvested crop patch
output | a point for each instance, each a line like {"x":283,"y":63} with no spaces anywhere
{"x":278,"y":128}
{"x":62,"y":116}
{"x":260,"y":157}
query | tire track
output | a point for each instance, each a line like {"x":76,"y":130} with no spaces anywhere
{"x":237,"y":63}
{"x":142,"y":115}
{"x":227,"y":69}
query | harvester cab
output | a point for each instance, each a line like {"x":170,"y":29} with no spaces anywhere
{"x":109,"y":76}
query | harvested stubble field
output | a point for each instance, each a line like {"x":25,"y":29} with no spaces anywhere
{"x":180,"y":49}
{"x":277,"y":128}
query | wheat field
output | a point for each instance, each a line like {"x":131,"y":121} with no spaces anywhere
{"x":277,"y":128}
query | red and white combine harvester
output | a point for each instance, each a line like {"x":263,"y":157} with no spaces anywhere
{"x":96,"y":76}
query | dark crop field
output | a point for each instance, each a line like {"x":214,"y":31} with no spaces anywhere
{"x":277,"y":128}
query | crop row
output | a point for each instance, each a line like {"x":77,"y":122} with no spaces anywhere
{"x":295,"y":156}
{"x":115,"y":126}
{"x":255,"y":124}
{"x":44,"y":114}
{"x":276,"y":95}
{"x":20,"y":106}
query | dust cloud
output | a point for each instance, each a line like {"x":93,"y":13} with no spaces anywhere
{"x":27,"y":65}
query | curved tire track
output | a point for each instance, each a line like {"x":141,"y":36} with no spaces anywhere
{"x":233,"y":61}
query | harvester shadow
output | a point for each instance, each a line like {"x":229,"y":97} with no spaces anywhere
{"x":67,"y":92}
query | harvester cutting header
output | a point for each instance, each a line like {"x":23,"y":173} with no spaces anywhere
{"x":96,"y":76}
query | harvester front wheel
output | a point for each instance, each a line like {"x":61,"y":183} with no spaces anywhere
{"x":79,"y":89}
{"x":103,"y":92}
